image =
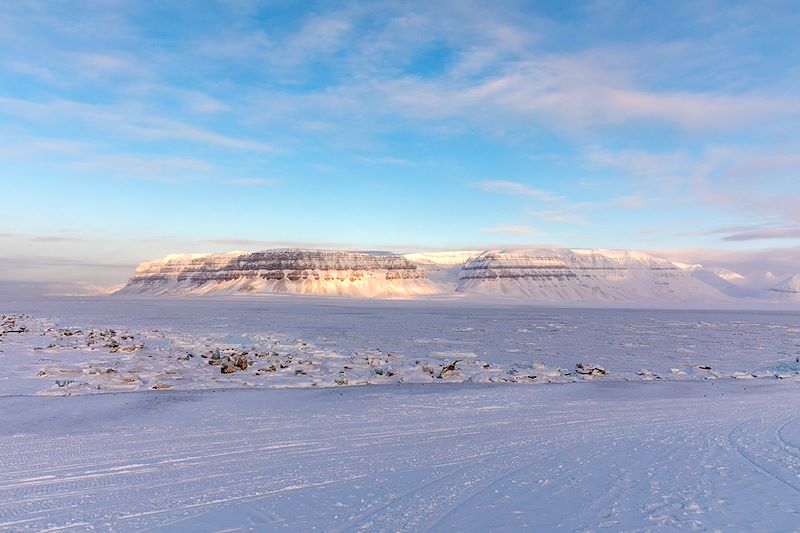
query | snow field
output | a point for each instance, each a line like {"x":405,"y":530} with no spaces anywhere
{"x":620,"y":456}
{"x":672,"y":421}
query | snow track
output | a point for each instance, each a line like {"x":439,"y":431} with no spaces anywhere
{"x":622,"y":456}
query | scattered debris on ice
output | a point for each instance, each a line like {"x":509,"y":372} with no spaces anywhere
{"x":65,"y":361}
{"x":589,"y":370}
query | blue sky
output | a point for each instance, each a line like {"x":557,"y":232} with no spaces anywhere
{"x":132,"y":129}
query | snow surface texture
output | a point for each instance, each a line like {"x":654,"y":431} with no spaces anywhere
{"x":667,"y":456}
{"x":654,"y":420}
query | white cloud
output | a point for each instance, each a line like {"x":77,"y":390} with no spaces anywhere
{"x":146,"y":167}
{"x":516,"y":189}
{"x":578,"y":94}
{"x":765,"y":234}
{"x":745,"y":181}
{"x":129,"y":119}
{"x":511,"y":230}
{"x":560,"y":217}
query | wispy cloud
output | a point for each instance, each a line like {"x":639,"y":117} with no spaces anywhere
{"x":239,"y":242}
{"x":726,"y":177}
{"x":387,"y":160}
{"x":670,"y":169}
{"x":23,"y":147}
{"x":156,"y":128}
{"x":55,"y":238}
{"x":254,"y":182}
{"x":98,"y":65}
{"x":560,"y":217}
{"x":128,"y":119}
{"x":44,"y":262}
{"x":516,"y":189}
{"x":579,"y":94}
{"x":146,"y":167}
{"x":764,"y":234}
{"x":629,"y":202}
{"x":511,"y":230}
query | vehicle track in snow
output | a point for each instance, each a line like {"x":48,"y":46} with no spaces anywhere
{"x":773,"y":460}
{"x":622,"y":456}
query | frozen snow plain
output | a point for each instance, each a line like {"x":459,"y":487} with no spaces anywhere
{"x":695,"y":449}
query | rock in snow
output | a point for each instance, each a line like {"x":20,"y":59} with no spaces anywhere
{"x":589,"y":370}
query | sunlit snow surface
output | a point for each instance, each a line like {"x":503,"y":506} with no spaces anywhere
{"x":693,"y":426}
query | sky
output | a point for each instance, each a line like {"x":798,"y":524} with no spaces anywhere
{"x":134,"y":129}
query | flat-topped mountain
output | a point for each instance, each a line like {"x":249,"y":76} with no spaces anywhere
{"x":567,"y":275}
{"x":283,"y":271}
{"x":535,"y":275}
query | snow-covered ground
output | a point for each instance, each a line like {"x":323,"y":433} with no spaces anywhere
{"x":698,"y":456}
{"x":67,"y":346}
{"x":476,"y":418}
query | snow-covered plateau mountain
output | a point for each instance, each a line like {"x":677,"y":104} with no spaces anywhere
{"x":564,"y":275}
{"x":545,"y":275}
{"x":283,"y":271}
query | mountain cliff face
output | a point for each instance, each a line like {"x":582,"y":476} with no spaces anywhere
{"x":283,"y":271}
{"x":562,"y":275}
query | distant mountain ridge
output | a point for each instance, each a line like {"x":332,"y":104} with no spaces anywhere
{"x":540,"y":275}
{"x":788,"y":289}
